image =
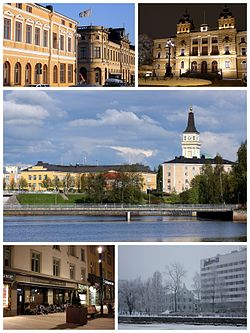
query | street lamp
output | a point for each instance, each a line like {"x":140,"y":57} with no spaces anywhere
{"x":168,"y":66}
{"x":100,"y":251}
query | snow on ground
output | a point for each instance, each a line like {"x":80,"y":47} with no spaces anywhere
{"x":177,"y":327}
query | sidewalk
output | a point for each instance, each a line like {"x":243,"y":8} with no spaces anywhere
{"x":54,"y":321}
{"x":175,"y":82}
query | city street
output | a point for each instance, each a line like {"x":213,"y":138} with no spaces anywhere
{"x":54,"y":321}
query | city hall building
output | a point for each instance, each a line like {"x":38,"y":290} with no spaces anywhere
{"x":105,"y":53}
{"x":224,"y":282}
{"x":205,"y":50}
{"x":178,"y":173}
{"x":39,"y":46}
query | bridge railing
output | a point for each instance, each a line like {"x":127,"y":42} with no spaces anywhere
{"x":88,"y":206}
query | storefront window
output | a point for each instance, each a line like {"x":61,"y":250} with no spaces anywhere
{"x":5,"y":296}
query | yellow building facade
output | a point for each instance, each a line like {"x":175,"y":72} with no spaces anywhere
{"x":105,"y":53}
{"x":38,"y":46}
{"x":35,"y":176}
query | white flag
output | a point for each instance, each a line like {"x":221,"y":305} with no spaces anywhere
{"x":85,"y":13}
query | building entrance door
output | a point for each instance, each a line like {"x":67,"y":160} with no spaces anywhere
{"x":20,"y":301}
{"x":204,"y":67}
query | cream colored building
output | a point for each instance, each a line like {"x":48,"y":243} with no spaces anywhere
{"x":179,"y":172}
{"x":105,"y":53}
{"x":37,"y":174}
{"x":43,"y":275}
{"x":204,"y":50}
{"x":39,"y":46}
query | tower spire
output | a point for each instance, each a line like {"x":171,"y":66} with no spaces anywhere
{"x":190,"y":138}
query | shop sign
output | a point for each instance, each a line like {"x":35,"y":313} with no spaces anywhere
{"x":47,"y":281}
{"x":8,"y":277}
{"x":82,"y":287}
{"x":211,"y":261}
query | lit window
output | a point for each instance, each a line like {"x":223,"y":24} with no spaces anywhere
{"x":7,"y":29}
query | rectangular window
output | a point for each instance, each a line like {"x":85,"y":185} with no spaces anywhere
{"x":62,"y":73}
{"x":195,"y":41}
{"x":227,"y":64}
{"x":28,"y":34}
{"x":97,"y":52}
{"x":18,"y":32}
{"x":54,"y":40}
{"x":243,"y":51}
{"x":83,"y":52}
{"x":29,"y":9}
{"x":56,"y":247}
{"x":215,"y":50}
{"x":204,"y":50}
{"x":72,"y":250}
{"x":70,"y":73}
{"x":195,"y":51}
{"x":37,"y":36}
{"x":19,"y":5}
{"x":204,"y":40}
{"x":63,"y":22}
{"x":69,"y":44}
{"x":214,"y":40}
{"x":227,"y":50}
{"x":72,"y":271}
{"x":82,"y":255}
{"x":35,"y":262}
{"x":61,"y":42}
{"x":83,"y":274}
{"x":182,"y":52}
{"x":45,"y":38}
{"x":7,"y":256}
{"x":40,"y":177}
{"x":56,"y":267}
{"x":7,"y":29}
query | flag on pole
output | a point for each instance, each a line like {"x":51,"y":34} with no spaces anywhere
{"x":85,"y":13}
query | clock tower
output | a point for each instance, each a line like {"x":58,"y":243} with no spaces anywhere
{"x":190,"y":138}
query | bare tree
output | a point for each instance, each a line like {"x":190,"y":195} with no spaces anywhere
{"x":197,"y":288}
{"x":175,"y":274}
{"x":127,"y":295}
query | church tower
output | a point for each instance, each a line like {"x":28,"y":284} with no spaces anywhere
{"x":190,"y":138}
{"x":185,"y":24}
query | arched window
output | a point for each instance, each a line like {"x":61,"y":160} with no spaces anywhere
{"x":55,"y":74}
{"x":38,"y":72}
{"x":182,"y":64}
{"x":6,"y":73}
{"x":45,"y":74}
{"x":194,"y":66}
{"x":17,"y":74}
{"x":214,"y":66}
{"x":27,"y":74}
{"x":244,"y":64}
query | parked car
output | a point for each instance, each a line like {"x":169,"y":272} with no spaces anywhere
{"x":114,"y":83}
{"x":39,"y":85}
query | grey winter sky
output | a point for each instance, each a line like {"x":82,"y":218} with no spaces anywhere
{"x":117,"y":127}
{"x":143,"y":260}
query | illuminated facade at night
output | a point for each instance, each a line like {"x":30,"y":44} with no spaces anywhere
{"x":205,"y":50}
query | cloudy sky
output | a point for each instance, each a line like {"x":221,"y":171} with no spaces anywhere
{"x":143,"y":260}
{"x":109,"y":127}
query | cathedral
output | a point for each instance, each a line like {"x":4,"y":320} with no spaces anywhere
{"x":221,"y":50}
{"x":178,"y":173}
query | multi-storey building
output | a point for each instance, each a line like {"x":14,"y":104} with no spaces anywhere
{"x":105,"y":53}
{"x":35,"y":175}
{"x":39,"y":46}
{"x":206,"y":50}
{"x":178,"y":173}
{"x":101,"y":263}
{"x":183,"y":301}
{"x":224,"y":282}
{"x":43,"y":274}
{"x":48,"y":275}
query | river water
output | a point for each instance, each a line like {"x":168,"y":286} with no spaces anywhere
{"x":116,"y":229}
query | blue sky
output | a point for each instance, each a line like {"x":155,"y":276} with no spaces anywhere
{"x":109,"y":15}
{"x":111,"y":127}
{"x":134,"y":259}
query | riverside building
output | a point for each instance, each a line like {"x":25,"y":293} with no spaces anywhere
{"x":105,"y":53}
{"x":178,"y":173}
{"x":48,"y":274}
{"x":224,"y":283}
{"x":183,"y":301}
{"x":71,"y":175}
{"x":39,"y":46}
{"x":222,"y":49}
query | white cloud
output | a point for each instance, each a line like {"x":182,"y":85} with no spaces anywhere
{"x":30,"y":97}
{"x":14,"y":110}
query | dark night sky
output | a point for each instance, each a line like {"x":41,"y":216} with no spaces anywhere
{"x":159,"y":20}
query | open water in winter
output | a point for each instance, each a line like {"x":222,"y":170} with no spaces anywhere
{"x":177,"y":327}
{"x":115,"y":228}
